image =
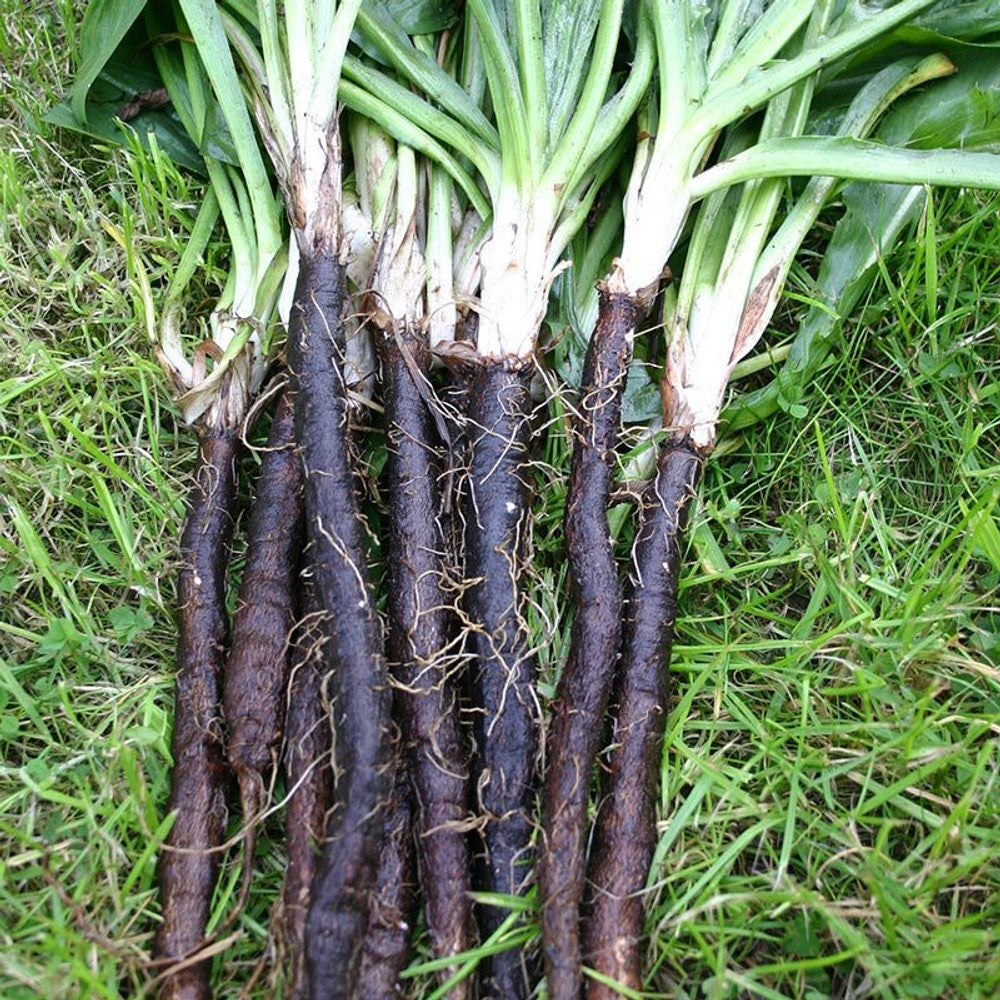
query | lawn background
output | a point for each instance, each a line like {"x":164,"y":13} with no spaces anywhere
{"x":831,"y":790}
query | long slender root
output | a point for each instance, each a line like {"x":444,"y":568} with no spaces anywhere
{"x":418,"y":641}
{"x":256,"y":677}
{"x":354,"y":656}
{"x":496,"y":544}
{"x":190,"y":860}
{"x":585,"y":684}
{"x":626,"y":824}
{"x":390,"y":921}
{"x":308,"y":780}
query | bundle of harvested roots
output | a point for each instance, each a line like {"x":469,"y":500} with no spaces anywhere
{"x":480,"y":153}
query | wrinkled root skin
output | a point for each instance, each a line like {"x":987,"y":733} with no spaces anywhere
{"x":189,"y":862}
{"x":309,"y":784}
{"x":256,"y":679}
{"x":496,"y":549}
{"x":585,"y":685}
{"x":387,"y":941}
{"x":626,"y":825}
{"x":418,"y":638}
{"x":354,"y":659}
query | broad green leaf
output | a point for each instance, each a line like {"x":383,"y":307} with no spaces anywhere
{"x":102,"y":105}
{"x":105,"y":24}
{"x":947,"y":26}
{"x":962,"y":111}
{"x":138,"y":67}
{"x":131,"y":70}
{"x":419,"y":17}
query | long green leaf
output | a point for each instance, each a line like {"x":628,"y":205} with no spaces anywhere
{"x":105,"y":24}
{"x":394,"y":45}
{"x":531,"y":68}
{"x":508,"y":102}
{"x":418,"y":17}
{"x":571,"y":154}
{"x":205,"y":22}
{"x":732,"y":103}
{"x":876,"y":216}
{"x":435,"y":123}
{"x":852,"y":159}
{"x":405,"y":131}
{"x":569,"y":27}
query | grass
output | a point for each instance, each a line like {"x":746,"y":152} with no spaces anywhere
{"x":831,"y":766}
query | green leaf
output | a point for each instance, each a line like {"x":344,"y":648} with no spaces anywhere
{"x":568,"y":32}
{"x":418,"y":17}
{"x":390,"y":42}
{"x":852,"y":159}
{"x":505,"y":87}
{"x":962,"y":111}
{"x":205,"y":23}
{"x":105,"y":24}
{"x":876,"y":216}
{"x":104,"y":101}
{"x":950,"y":27}
{"x":405,"y":131}
{"x":129,"y":622}
{"x":137,"y":67}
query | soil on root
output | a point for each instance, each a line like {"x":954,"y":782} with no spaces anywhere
{"x":625,"y":833}
{"x":585,"y":684}
{"x":190,"y":859}
{"x":497,"y":531}
{"x":354,"y":657}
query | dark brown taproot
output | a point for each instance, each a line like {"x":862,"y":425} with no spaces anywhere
{"x":190,"y":858}
{"x":625,"y":834}
{"x":582,"y":696}
{"x":354,"y":658}
{"x":497,"y":534}
{"x":419,"y":644}
{"x":308,"y":783}
{"x":390,"y":920}
{"x":255,"y":685}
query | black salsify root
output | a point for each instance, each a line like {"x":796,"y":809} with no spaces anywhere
{"x":308,"y":783}
{"x":574,"y":734}
{"x":190,"y":859}
{"x":625,"y":834}
{"x":256,"y":677}
{"x":419,"y":635}
{"x":354,"y":659}
{"x":497,"y":520}
{"x":394,"y":904}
